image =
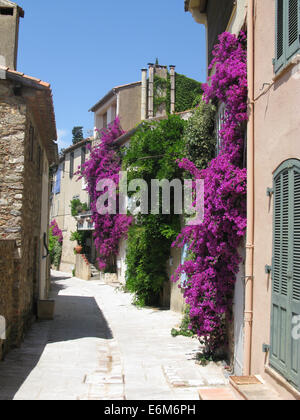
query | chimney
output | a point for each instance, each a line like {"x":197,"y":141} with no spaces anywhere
{"x":173,"y":86}
{"x":151,"y":91}
{"x":161,"y":90}
{"x":144,"y":95}
{"x":10,"y":14}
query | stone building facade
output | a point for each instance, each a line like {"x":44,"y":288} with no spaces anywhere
{"x":27,"y":148}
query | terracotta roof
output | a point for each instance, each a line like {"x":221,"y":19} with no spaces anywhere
{"x":111,"y":93}
{"x":41,"y":105}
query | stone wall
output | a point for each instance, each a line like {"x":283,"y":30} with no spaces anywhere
{"x":20,"y":201}
{"x":12,"y":138}
{"x":9,"y":276}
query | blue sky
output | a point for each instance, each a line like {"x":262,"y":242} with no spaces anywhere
{"x":86,"y":48}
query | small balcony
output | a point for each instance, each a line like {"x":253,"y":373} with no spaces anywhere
{"x":84,"y":221}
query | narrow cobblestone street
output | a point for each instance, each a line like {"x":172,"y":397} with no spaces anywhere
{"x":101,"y":347}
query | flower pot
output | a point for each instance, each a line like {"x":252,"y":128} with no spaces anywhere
{"x":78,"y":249}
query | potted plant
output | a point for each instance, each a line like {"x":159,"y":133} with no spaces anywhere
{"x":78,"y":237}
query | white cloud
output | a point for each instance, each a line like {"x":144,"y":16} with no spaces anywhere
{"x":64,"y":138}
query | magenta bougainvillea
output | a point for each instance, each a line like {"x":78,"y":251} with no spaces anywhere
{"x":56,"y":231}
{"x":213,"y":245}
{"x":105,"y":163}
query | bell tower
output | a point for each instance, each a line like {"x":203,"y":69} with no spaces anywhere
{"x":10,"y":14}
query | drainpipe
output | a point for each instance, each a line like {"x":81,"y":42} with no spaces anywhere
{"x":151,"y":91}
{"x":172,"y":77}
{"x":250,"y":197}
{"x":144,"y":95}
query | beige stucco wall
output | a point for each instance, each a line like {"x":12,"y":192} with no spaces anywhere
{"x":121,"y":261}
{"x":61,"y":211}
{"x":176,"y":294}
{"x":129,"y":107}
{"x":277,"y":127}
{"x":83,"y":268}
{"x":9,"y":32}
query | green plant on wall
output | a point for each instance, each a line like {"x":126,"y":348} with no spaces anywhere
{"x":188,"y":92}
{"x":199,"y":136}
{"x":152,"y":154}
{"x":55,"y":244}
{"x":78,"y":207}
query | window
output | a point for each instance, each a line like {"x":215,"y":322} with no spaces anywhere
{"x":7,"y":11}
{"x":40,"y":161}
{"x":105,"y":120}
{"x":31,"y":142}
{"x":71,"y":165}
{"x":287,"y":32}
{"x":58,"y":181}
{"x":83,"y":154}
{"x":219,"y":123}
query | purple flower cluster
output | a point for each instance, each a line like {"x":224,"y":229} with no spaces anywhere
{"x":105,"y":163}
{"x":56,"y":231}
{"x":214,"y":244}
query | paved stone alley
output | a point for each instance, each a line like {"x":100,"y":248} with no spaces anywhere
{"x":101,"y":347}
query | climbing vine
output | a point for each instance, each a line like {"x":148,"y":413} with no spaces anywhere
{"x":55,"y":244}
{"x":212,"y":271}
{"x":152,"y":154}
{"x":199,"y":136}
{"x":187,"y":91}
{"x":104,"y":163}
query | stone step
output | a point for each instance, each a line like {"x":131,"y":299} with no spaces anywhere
{"x":252,"y":388}
{"x":217,"y":394}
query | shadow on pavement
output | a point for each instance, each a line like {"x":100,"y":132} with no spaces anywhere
{"x":75,"y":318}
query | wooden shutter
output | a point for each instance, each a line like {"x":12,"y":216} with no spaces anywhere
{"x":280,"y":272}
{"x":285,"y":347}
{"x":295,"y":287}
{"x":293,"y":29}
{"x":280,"y":35}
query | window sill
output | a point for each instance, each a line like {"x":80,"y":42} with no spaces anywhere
{"x":294,"y":62}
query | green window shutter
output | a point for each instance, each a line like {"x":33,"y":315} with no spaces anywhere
{"x":295,"y":292}
{"x":296,"y":255}
{"x":285,"y":345}
{"x":280,"y":35}
{"x":292,"y":27}
{"x":279,"y":332}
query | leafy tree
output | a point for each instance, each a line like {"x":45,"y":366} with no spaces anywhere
{"x":199,"y":136}
{"x":77,"y":133}
{"x":152,"y":154}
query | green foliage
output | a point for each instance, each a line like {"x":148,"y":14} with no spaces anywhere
{"x":55,"y":249}
{"x":77,"y":133}
{"x":78,"y":207}
{"x":152,"y":154}
{"x":199,"y":136}
{"x":161,"y":89}
{"x":187,"y":93}
{"x":184,"y":327}
{"x":79,"y":236}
